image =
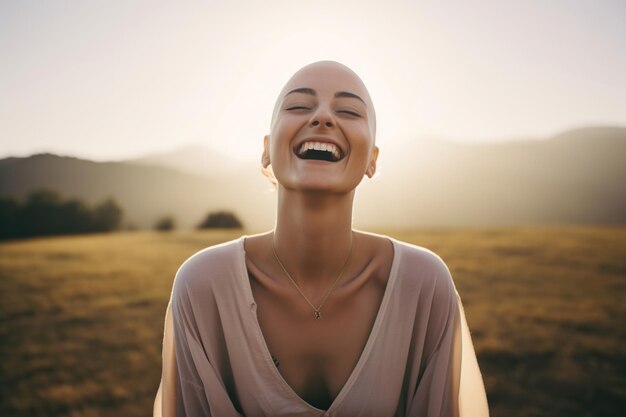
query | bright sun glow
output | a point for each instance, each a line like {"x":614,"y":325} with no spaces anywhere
{"x":103,"y":80}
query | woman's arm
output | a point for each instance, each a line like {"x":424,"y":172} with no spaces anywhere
{"x":178,"y":396}
{"x":190,"y":385}
{"x":472,"y":395}
{"x":451,"y":384}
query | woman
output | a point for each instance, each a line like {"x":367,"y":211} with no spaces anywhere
{"x":315,"y":318}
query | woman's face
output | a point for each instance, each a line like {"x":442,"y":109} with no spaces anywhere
{"x":322,"y":134}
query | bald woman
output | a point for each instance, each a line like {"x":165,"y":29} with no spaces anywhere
{"x":315,"y":318}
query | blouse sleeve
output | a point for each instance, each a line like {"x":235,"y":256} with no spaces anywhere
{"x":472,"y":395}
{"x":190,"y":386}
{"x":451,"y":384}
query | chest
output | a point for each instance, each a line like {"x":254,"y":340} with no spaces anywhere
{"x":316,"y":357}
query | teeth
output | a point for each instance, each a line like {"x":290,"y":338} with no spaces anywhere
{"x":319,"y":146}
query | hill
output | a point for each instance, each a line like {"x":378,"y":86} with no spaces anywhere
{"x":572,"y":178}
{"x":192,"y":159}
{"x":576,"y":177}
{"x":144,"y":192}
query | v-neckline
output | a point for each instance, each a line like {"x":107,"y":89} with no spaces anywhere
{"x":364,"y":354}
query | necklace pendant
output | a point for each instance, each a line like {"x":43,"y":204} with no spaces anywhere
{"x":318,"y":315}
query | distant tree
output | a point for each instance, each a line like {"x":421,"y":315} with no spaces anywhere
{"x":45,"y":213}
{"x":40,"y":214}
{"x":76,"y":217}
{"x":220,"y":219}
{"x":107,"y":216}
{"x":165,"y":223}
{"x":8,"y":212}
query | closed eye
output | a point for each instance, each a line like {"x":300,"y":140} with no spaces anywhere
{"x":351,"y":113}
{"x":298,"y":108}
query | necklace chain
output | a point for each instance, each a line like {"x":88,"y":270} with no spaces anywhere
{"x":317,"y":311}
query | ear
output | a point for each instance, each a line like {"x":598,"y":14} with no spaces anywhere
{"x":265,"y":157}
{"x":371,"y":169}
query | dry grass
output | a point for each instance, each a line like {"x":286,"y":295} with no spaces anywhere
{"x":81,"y":318}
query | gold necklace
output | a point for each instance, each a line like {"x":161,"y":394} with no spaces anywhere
{"x":317,"y":311}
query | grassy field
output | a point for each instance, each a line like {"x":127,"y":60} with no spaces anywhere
{"x":81,"y":318}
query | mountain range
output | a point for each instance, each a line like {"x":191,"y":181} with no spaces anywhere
{"x":576,"y":177}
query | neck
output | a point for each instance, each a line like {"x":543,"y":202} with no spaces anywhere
{"x":313,"y":234}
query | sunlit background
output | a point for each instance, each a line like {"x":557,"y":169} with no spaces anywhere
{"x":502,"y":128}
{"x":110,"y":80}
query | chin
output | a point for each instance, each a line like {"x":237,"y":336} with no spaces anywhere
{"x":318,"y":185}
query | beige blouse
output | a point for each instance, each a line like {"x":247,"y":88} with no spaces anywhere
{"x":418,"y":361}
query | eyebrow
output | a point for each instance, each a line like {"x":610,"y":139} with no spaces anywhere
{"x":310,"y":91}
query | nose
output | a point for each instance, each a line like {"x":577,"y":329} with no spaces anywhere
{"x":322,"y":117}
{"x":327,"y":123}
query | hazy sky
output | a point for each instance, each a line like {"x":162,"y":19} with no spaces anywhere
{"x":116,"y":79}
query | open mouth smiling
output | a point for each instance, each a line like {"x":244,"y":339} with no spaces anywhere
{"x":320,"y":151}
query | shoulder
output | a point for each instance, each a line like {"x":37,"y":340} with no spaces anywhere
{"x":421,"y":267}
{"x":212,"y":266}
{"x":426,"y":281}
{"x":420,"y":257}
